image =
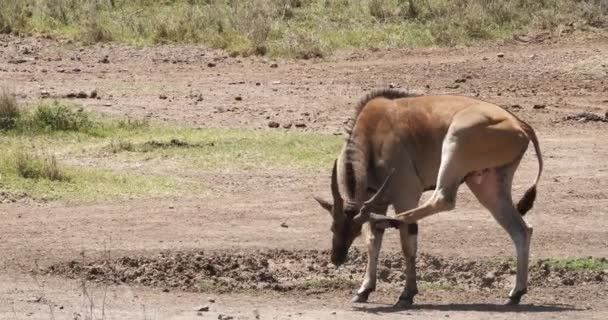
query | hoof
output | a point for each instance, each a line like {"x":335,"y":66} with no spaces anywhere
{"x":404,"y":303}
{"x":515,"y":298}
{"x":361,"y":297}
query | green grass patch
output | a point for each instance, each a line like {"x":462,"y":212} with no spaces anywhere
{"x":296,"y":28}
{"x":43,"y":177}
{"x":328,"y":283}
{"x":439,"y":285}
{"x":578,"y":264}
{"x":58,"y":151}
{"x":213,"y":149}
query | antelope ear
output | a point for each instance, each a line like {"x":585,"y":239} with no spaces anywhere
{"x":326,"y":205}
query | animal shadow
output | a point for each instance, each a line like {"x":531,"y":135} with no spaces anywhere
{"x":480,"y":307}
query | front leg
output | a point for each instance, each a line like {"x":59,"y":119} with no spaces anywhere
{"x":374,"y":242}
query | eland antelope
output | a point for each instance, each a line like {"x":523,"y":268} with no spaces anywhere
{"x":401,"y":145}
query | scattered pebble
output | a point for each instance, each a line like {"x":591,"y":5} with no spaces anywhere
{"x":162,"y":97}
{"x":274,"y":65}
{"x":104,"y":60}
{"x":93,"y":94}
{"x":211,"y":64}
{"x":500,"y":55}
{"x":287,"y":125}
{"x":284,"y":225}
{"x":453,"y":86}
{"x":238,"y":98}
{"x":516,"y":106}
{"x":273,"y":124}
{"x":539,"y":106}
{"x":460,"y":80}
{"x":211,"y":300}
{"x":300,"y":125}
{"x":203,"y":309}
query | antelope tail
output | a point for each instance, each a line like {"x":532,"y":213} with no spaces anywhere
{"x":527,"y":201}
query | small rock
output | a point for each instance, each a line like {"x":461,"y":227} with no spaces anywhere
{"x":460,"y":80}
{"x":500,"y":55}
{"x":539,"y":106}
{"x":453,"y":86}
{"x":276,"y":82}
{"x":82,"y":95}
{"x":568,"y":282}
{"x":104,"y":60}
{"x":284,"y":225}
{"x":171,"y":207}
{"x":489,"y":279}
{"x":392,"y":85}
{"x":300,"y":125}
{"x":516,"y":106}
{"x":606,"y":115}
{"x":333,"y":312}
{"x":273,"y":124}
{"x":287,"y":125}
{"x":203,"y":309}
{"x":17,"y":61}
{"x":238,"y":98}
{"x":76,"y":70}
{"x":258,"y":84}
{"x":274,"y":65}
{"x":45,"y":94}
{"x":211,"y":64}
{"x":107,"y":104}
{"x":165,"y":290}
{"x":93,"y":94}
{"x":162,"y":97}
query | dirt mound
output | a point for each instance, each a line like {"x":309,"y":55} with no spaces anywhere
{"x":282,"y":270}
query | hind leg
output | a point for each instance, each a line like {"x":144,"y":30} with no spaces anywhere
{"x":494,"y":193}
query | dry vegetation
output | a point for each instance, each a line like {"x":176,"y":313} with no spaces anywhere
{"x":298,"y":28}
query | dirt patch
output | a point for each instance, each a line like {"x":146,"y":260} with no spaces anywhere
{"x":283,"y":270}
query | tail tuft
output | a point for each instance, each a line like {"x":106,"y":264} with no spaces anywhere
{"x":527,"y":201}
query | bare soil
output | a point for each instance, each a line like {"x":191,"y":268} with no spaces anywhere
{"x":554,"y":86}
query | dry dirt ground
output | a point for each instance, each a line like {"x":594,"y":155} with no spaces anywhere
{"x":244,"y":212}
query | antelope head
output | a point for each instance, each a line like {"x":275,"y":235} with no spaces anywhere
{"x":348,"y":222}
